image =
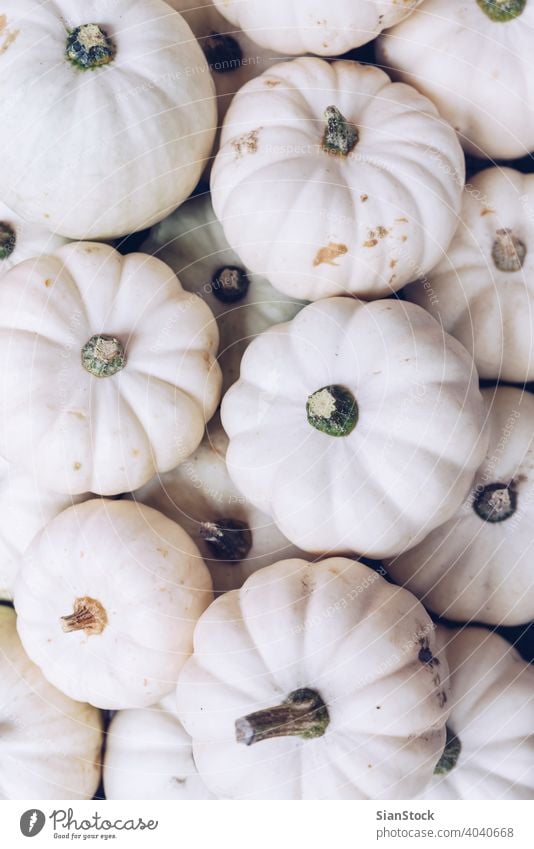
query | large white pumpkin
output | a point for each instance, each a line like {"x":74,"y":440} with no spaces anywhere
{"x":20,"y":239}
{"x":483,"y":290}
{"x":192,"y":243}
{"x":108,"y":369}
{"x":473,"y":59}
{"x":333,"y":180}
{"x":235,"y":539}
{"x":108,"y":113}
{"x":478,"y":565}
{"x":25,"y":508}
{"x":50,"y":744}
{"x":314,"y":26}
{"x":107,"y":597}
{"x":315,"y":681}
{"x":490,"y":730}
{"x":356,"y":426}
{"x":149,"y":756}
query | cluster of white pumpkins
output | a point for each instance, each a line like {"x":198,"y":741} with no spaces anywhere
{"x":351,"y":423}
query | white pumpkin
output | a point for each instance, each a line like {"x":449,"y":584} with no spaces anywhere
{"x":313,"y":26}
{"x":20,"y":239}
{"x":149,"y":756}
{"x":192,"y":243}
{"x":326,"y":179}
{"x":108,"y":369}
{"x":107,"y":597}
{"x":478,"y":565}
{"x":356,"y":426}
{"x":134,"y":76}
{"x":314,"y":681}
{"x":25,"y":508}
{"x":50,"y":744}
{"x":490,"y":746}
{"x":235,"y":539}
{"x":483,"y":290}
{"x":474,"y":61}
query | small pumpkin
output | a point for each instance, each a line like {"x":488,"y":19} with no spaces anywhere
{"x":356,"y":426}
{"x":149,"y":756}
{"x":472,"y":58}
{"x":234,"y":538}
{"x":50,"y":744}
{"x":483,"y":290}
{"x":25,"y":508}
{"x":478,"y":565}
{"x":311,"y":26}
{"x":314,"y":681}
{"x":191,"y":241}
{"x":326,"y":179}
{"x":20,"y":239}
{"x":107,"y":597}
{"x":144,"y":127}
{"x":115,"y":362}
{"x":489,"y":752}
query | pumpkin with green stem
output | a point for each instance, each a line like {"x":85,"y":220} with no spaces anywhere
{"x":20,"y":239}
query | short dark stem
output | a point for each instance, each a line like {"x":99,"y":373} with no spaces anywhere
{"x":303,"y":714}
{"x":103,"y":356}
{"x":450,"y":755}
{"x":508,"y":252}
{"x":222,"y":52}
{"x":496,"y":502}
{"x":230,"y":284}
{"x":227,"y":539}
{"x":8,"y":239}
{"x":340,"y":137}
{"x":89,"y":47}
{"x":332,"y":410}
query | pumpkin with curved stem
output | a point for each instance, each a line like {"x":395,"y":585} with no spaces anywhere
{"x":145,"y":122}
{"x":327,"y":182}
{"x":482,"y":291}
{"x":50,"y":744}
{"x":490,"y":740}
{"x":356,"y":426}
{"x":488,"y":43}
{"x":115,"y":362}
{"x":315,"y":681}
{"x":107,"y":597}
{"x":478,"y":565}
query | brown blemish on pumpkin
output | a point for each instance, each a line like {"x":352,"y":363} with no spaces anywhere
{"x":163,"y":551}
{"x":9,"y":36}
{"x":487,"y":211}
{"x":247,"y":143}
{"x":272,"y":83}
{"x":48,"y":282}
{"x":363,"y":198}
{"x":393,"y":263}
{"x":404,"y":238}
{"x":374,"y":235}
{"x":401,"y":221}
{"x":79,"y":414}
{"x":76,"y":466}
{"x":135,"y":452}
{"x":328,"y":254}
{"x":370,"y":243}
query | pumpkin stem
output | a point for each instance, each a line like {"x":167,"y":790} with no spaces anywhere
{"x":222,"y":52}
{"x":230,"y":284}
{"x":340,"y":137}
{"x":227,"y":539}
{"x":502,"y":10}
{"x":332,"y":410}
{"x":496,"y":502}
{"x":103,"y":355}
{"x":450,"y":755}
{"x":89,"y":616}
{"x":508,"y":252}
{"x":303,"y":714}
{"x":8,"y":240}
{"x":89,"y":47}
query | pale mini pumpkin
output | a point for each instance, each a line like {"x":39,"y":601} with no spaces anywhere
{"x":20,"y":239}
{"x":326,"y":179}
{"x":483,"y":290}
{"x":311,"y":26}
{"x":490,"y":730}
{"x":356,"y":426}
{"x":145,"y":123}
{"x":50,"y":744}
{"x":107,"y":597}
{"x":25,"y":508}
{"x":191,"y":241}
{"x":149,"y":756}
{"x":478,"y":565}
{"x":315,"y":681}
{"x":235,"y":539}
{"x":109,"y":369}
{"x":473,"y":59}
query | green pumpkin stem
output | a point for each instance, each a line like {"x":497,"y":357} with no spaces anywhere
{"x":89,"y":47}
{"x":450,"y":755}
{"x":303,"y":714}
{"x":502,"y":11}
{"x":340,"y":137}
{"x":8,"y":239}
{"x":332,"y":410}
{"x":103,"y":355}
